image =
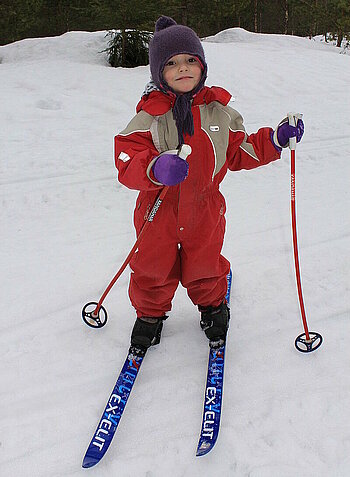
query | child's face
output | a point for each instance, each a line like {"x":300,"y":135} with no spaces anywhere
{"x":182,"y":73}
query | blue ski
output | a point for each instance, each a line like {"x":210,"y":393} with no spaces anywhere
{"x":213,"y":393}
{"x":114,"y":409}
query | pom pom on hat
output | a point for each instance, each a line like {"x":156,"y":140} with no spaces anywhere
{"x":164,"y":22}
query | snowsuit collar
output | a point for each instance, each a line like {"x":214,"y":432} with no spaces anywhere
{"x":157,"y":103}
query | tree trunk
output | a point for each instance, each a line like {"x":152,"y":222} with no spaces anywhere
{"x":260,"y":22}
{"x":256,"y":16}
{"x":286,"y":15}
{"x":123,"y":46}
{"x":315,"y":26}
{"x":340,"y":38}
{"x":184,"y":13}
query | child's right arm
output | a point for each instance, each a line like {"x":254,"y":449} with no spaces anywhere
{"x":133,"y":151}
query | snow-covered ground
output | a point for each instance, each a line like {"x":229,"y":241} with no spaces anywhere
{"x":66,"y":226}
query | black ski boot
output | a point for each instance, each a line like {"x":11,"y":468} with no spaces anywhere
{"x":147,"y":331}
{"x":215,"y":322}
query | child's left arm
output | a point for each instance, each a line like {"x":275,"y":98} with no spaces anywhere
{"x":250,"y":151}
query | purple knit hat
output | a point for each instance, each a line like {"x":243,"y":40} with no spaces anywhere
{"x":171,"y":39}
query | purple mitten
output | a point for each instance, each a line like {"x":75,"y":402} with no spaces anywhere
{"x":170,"y":169}
{"x":285,"y":131}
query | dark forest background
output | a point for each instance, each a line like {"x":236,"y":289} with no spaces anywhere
{"x":38,"y":18}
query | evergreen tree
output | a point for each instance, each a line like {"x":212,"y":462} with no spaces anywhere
{"x":128,"y":48}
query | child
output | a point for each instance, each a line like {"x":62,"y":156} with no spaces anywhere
{"x":185,"y":243}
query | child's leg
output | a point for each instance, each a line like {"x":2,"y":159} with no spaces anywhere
{"x":204,"y":274}
{"x":203,"y":269}
{"x":155,"y":277}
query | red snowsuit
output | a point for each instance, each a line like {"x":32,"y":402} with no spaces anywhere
{"x":184,"y":242}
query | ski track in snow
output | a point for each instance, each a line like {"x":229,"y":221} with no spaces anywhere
{"x":66,"y":226}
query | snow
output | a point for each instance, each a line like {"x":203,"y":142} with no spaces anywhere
{"x":66,"y":226}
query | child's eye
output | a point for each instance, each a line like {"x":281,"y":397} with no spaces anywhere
{"x":170,"y":63}
{"x":192,"y":60}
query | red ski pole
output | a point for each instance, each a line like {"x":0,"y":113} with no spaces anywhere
{"x":307,"y":341}
{"x":93,"y":313}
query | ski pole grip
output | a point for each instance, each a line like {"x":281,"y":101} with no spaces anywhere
{"x":293,"y":121}
{"x":184,"y":151}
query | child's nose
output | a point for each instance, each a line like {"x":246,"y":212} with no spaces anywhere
{"x":183,"y":66}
